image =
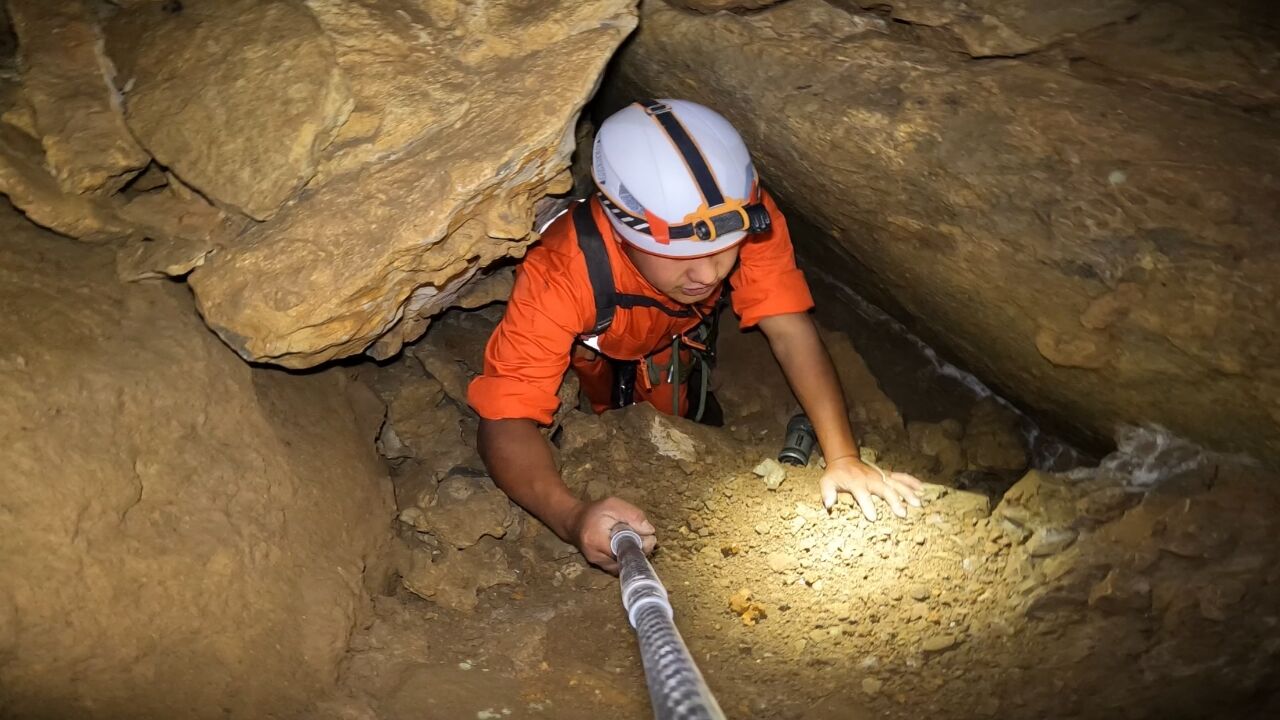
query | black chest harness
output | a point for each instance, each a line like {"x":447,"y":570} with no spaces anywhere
{"x":700,"y":341}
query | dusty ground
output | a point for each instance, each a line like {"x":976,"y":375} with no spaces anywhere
{"x":1143,"y":588}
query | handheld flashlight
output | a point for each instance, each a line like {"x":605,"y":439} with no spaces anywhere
{"x":800,"y":441}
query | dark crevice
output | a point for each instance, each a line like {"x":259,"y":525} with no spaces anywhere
{"x":8,"y":41}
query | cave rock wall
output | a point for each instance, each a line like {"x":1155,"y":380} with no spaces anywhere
{"x":181,"y":535}
{"x":1091,"y":225}
{"x":327,"y":174}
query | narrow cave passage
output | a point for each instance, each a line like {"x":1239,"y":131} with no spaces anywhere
{"x":251,"y":255}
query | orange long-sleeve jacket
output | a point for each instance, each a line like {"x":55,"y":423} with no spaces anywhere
{"x":552,"y":307}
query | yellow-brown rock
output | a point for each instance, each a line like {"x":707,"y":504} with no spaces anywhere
{"x":710,"y":6}
{"x":67,"y":83}
{"x":987,"y":28}
{"x":1202,"y":49}
{"x":237,"y":97}
{"x":1104,"y":256}
{"x":462,"y":120}
{"x":26,"y":181}
{"x":176,"y":229}
{"x":183,"y":535}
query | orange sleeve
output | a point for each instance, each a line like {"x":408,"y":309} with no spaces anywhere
{"x":767,"y":281}
{"x":528,"y":353}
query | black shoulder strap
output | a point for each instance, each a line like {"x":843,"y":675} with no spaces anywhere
{"x":599,"y":270}
{"x":600,"y":273}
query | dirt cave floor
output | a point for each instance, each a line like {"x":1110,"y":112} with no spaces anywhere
{"x":1144,"y":587}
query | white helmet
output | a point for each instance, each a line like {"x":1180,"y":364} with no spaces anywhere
{"x":676,"y":180}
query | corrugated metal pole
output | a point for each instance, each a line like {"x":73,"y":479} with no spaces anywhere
{"x":676,"y":688}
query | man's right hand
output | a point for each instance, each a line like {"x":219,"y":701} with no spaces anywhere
{"x":592,"y":525}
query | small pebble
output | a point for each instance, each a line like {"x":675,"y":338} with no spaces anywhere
{"x":939,"y":643}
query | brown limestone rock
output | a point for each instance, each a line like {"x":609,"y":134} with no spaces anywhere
{"x":184,"y":535}
{"x":237,"y":97}
{"x":869,"y":407}
{"x":993,"y":438}
{"x":419,"y":425}
{"x":465,"y":120}
{"x":991,"y":201}
{"x":463,"y":510}
{"x":935,"y":441}
{"x":988,"y":28}
{"x":67,"y":81}
{"x":710,"y":6}
{"x":175,"y":230}
{"x":29,"y":186}
{"x":1039,"y":503}
{"x":454,"y":577}
{"x":1217,"y":50}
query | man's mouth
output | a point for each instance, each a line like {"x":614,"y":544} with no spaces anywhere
{"x":696,"y":290}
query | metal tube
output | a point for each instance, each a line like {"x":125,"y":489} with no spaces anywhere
{"x":676,"y":688}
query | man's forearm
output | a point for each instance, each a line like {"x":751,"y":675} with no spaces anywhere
{"x":808,"y":368}
{"x":519,"y":460}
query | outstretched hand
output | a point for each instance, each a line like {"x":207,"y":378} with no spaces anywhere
{"x":593,"y":525}
{"x":862,"y":481}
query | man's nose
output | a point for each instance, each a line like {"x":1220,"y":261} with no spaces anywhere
{"x":703,"y":271}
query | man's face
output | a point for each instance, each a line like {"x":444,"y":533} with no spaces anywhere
{"x":685,"y":281}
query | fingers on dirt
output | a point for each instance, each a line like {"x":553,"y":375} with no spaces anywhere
{"x":864,"y":501}
{"x":894,"y":499}
{"x":830,"y":495}
{"x":908,"y":493}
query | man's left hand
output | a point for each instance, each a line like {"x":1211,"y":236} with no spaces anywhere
{"x":851,"y":475}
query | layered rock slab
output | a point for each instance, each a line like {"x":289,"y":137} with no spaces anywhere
{"x":710,"y":6}
{"x":238,"y":97}
{"x":462,"y":120}
{"x":183,"y":535}
{"x":1104,"y":257}
{"x":68,"y":81}
{"x":26,"y":181}
{"x":987,"y":28}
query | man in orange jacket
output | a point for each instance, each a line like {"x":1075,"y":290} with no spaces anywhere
{"x":623,"y":287}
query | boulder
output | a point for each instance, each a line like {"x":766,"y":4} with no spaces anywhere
{"x":461,"y":121}
{"x":237,"y":97}
{"x":184,"y":535}
{"x":67,"y":83}
{"x":1062,"y":237}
